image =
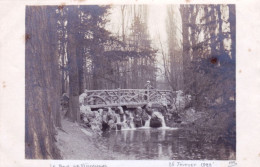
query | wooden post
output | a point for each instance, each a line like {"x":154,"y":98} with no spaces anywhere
{"x":148,"y":94}
{"x":119,"y":96}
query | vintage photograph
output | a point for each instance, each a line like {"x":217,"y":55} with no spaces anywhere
{"x":130,"y":82}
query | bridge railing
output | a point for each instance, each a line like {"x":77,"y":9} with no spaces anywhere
{"x":120,"y":97}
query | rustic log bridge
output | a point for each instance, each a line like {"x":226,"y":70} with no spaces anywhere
{"x":127,"y":97}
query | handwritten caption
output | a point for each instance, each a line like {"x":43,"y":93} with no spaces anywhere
{"x":174,"y":163}
{"x":199,"y":164}
{"x":190,"y":164}
{"x":77,"y":165}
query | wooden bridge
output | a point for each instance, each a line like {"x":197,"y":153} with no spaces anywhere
{"x":126,"y":97}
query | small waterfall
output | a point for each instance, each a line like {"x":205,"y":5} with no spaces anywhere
{"x":125,"y":121}
{"x":125,"y":125}
{"x":118,"y":122}
{"x":147,"y":122}
{"x":132,"y":121}
{"x":117,"y":118}
{"x":159,"y":115}
{"x":124,"y":118}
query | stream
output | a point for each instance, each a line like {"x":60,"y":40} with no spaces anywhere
{"x":161,"y":144}
{"x":129,"y":141}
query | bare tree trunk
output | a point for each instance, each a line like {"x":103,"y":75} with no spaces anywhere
{"x":123,"y":7}
{"x":54,"y":69}
{"x":195,"y":56}
{"x":212,"y":32}
{"x":39,"y":124}
{"x":73,"y":113}
{"x":62,"y":51}
{"x":80,"y":64}
{"x":232,"y":21}
{"x":220,"y":36}
{"x":62,"y":74}
{"x":185,"y":15}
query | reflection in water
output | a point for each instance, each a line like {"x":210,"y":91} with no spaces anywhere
{"x":162,"y":144}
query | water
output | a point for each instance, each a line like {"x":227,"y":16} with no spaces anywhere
{"x":159,"y":115}
{"x":132,"y":125}
{"x":118,"y":120}
{"x":160,"y":143}
{"x":168,"y":143}
{"x":147,"y":123}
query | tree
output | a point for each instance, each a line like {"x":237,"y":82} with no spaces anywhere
{"x":174,"y":49}
{"x":73,"y":24}
{"x":143,"y":66}
{"x":185,"y":15}
{"x":41,"y":90}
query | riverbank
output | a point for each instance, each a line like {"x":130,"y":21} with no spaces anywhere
{"x":76,"y":142}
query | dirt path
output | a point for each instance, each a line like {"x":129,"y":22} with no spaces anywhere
{"x":77,"y":143}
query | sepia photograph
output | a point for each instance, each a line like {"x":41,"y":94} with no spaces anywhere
{"x":130,"y":82}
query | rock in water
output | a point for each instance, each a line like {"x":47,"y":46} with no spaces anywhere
{"x":105,"y":126}
{"x":155,"y":122}
{"x":112,"y":124}
{"x":148,"y":109}
{"x":118,"y":126}
{"x":138,"y":121}
{"x":145,"y":117}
